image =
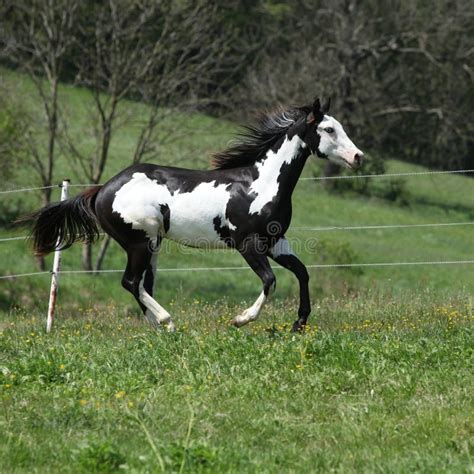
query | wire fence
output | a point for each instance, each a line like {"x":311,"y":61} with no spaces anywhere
{"x":305,"y":228}
{"x":312,"y":178}
{"x":386,"y":175}
{"x":381,"y":227}
{"x":208,"y":269}
{"x":330,"y":228}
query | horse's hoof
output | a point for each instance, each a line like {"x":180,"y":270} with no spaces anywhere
{"x":298,"y":327}
{"x":236,"y":323}
{"x":169,"y":326}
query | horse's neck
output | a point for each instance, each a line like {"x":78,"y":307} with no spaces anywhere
{"x":279,"y":172}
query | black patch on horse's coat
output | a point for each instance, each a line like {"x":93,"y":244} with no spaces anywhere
{"x":148,"y":280}
{"x":165,"y":212}
{"x":223,"y":231}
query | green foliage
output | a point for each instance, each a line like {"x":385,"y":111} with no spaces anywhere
{"x":389,"y":189}
{"x":100,"y":457}
{"x":11,"y":133}
{"x":338,"y":252}
{"x":10,"y":210}
{"x":194,"y":458}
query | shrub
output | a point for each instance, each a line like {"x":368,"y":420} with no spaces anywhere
{"x":390,"y":189}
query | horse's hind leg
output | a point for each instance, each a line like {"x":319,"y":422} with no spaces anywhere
{"x":139,"y":279}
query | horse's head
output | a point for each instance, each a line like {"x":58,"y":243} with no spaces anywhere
{"x":326,"y":138}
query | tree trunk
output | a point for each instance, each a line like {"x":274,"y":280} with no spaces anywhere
{"x":87,"y":256}
{"x":41,"y":263}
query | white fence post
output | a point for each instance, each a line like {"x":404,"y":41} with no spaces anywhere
{"x":56,"y":265}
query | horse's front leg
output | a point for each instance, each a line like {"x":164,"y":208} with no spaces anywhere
{"x":259,"y":263}
{"x":282,"y":253}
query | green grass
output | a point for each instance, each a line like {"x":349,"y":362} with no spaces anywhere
{"x":381,"y":383}
{"x":376,"y":386}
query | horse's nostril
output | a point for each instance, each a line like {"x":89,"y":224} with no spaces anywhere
{"x":358,"y":159}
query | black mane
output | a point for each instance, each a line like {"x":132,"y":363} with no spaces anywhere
{"x":255,"y":140}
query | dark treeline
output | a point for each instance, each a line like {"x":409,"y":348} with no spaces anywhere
{"x":400,"y":73}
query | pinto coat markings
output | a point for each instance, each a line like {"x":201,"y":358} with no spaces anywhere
{"x":266,"y":185}
{"x":187,"y":217}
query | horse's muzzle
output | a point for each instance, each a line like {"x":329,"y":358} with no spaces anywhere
{"x":358,"y":160}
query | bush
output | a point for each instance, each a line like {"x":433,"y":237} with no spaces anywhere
{"x":390,"y":189}
{"x":10,"y":210}
{"x":100,"y":458}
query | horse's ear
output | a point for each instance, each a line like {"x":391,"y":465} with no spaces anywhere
{"x":315,"y":115}
{"x":325,"y":107}
{"x":316,"y":106}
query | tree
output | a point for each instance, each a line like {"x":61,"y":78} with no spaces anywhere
{"x":162,"y":53}
{"x":36,"y":37}
{"x":400,"y":75}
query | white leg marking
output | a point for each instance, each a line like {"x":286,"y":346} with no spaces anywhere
{"x":250,"y":314}
{"x":282,"y":247}
{"x":155,"y":313}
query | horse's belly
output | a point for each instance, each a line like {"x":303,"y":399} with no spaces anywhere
{"x":187,"y":231}
{"x":196,"y":216}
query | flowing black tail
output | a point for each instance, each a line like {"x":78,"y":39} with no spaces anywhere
{"x":60,"y":224}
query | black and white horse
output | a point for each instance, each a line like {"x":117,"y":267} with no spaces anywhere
{"x":243,"y":203}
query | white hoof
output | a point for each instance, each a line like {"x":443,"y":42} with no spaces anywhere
{"x":242,"y":319}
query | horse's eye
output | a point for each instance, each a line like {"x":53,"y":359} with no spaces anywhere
{"x":329,"y":130}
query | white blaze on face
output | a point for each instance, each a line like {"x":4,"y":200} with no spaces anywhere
{"x":191,"y":214}
{"x":266,"y":185}
{"x":335,"y":143}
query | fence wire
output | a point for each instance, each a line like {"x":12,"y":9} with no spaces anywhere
{"x":317,"y":229}
{"x":205,"y":269}
{"x":330,"y":228}
{"x":315,"y":178}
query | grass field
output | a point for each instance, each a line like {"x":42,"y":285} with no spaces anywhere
{"x":382,"y":381}
{"x":376,"y":386}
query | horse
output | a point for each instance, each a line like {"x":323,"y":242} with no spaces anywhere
{"x":243,"y":203}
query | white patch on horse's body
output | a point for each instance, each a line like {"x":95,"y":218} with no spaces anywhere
{"x":191,"y":216}
{"x":138,"y":203}
{"x":266,"y":185}
{"x":282,"y":247}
